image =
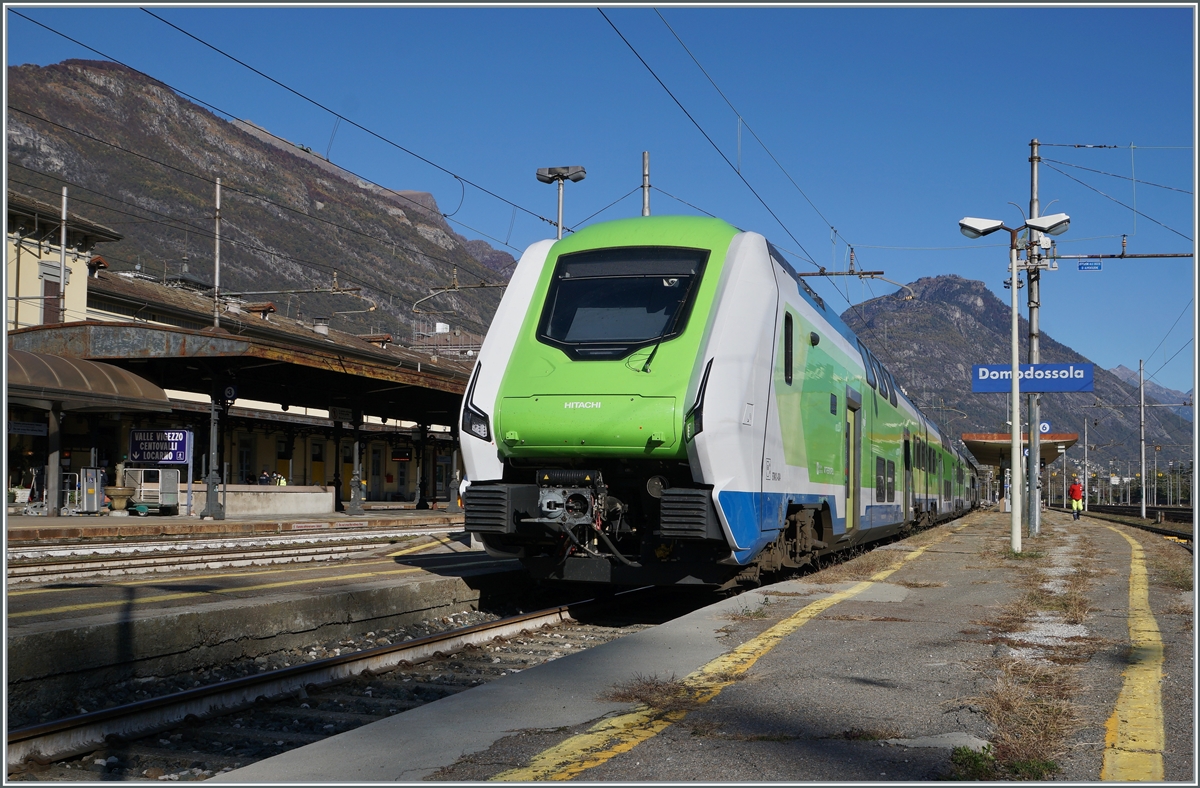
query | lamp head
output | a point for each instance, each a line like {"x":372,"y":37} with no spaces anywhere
{"x":1054,"y":224}
{"x":977,"y":228}
{"x":551,"y":174}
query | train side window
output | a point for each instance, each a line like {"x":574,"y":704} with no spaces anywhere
{"x":891,"y":481}
{"x":881,"y":376}
{"x":880,"y":484}
{"x":866,"y":357}
{"x":907,"y":454}
{"x":833,"y":404}
{"x":787,"y":348}
{"x":891,"y":389}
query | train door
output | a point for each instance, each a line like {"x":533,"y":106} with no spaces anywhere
{"x":852,"y":456}
{"x":906,"y":493}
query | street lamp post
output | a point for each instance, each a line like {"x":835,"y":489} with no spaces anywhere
{"x":1054,"y":224}
{"x":561,"y":174}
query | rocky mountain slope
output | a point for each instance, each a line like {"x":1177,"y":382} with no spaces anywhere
{"x":1159,"y":393}
{"x":141,"y":159}
{"x":931,"y":342}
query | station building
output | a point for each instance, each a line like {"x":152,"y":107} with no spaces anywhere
{"x":293,"y":397}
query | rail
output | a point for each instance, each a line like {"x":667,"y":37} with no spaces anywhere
{"x":1133,"y":520}
{"x":82,"y":733}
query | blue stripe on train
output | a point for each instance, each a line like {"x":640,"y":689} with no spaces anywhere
{"x":755,"y":518}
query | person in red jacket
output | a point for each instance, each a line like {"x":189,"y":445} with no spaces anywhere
{"x":1076,"y":494}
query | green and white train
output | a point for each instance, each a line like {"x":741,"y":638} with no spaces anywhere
{"x":662,"y":400}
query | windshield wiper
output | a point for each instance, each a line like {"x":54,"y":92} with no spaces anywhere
{"x":683,"y":302}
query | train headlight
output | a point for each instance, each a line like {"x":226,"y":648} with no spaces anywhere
{"x":693,"y":421}
{"x":475,"y":421}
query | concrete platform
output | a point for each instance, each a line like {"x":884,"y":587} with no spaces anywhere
{"x":26,"y":529}
{"x":812,"y":680}
{"x":69,"y":636}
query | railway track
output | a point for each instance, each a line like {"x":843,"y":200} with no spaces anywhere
{"x":68,"y":561}
{"x":1169,"y":514}
{"x":1181,"y":532}
{"x":205,"y":730}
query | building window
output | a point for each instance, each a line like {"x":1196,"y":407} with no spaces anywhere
{"x":318,"y":452}
{"x":51,"y":303}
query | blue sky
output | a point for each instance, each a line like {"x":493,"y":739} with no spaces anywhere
{"x":888,"y":124}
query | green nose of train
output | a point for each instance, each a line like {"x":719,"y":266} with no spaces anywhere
{"x":591,"y":425}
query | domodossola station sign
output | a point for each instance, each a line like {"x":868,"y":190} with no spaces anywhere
{"x":1035,"y":378}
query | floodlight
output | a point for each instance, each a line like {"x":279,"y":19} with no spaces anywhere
{"x":561,"y":175}
{"x":551,"y":174}
{"x":977,"y":228}
{"x":1054,"y":224}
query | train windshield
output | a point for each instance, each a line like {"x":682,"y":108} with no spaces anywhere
{"x":606,"y":303}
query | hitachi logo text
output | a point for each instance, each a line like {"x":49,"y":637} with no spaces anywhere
{"x":581,"y":404}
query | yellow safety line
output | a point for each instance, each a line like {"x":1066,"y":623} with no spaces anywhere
{"x":190,"y":594}
{"x":1133,"y":739}
{"x":193,"y":578}
{"x":423,"y":546}
{"x":616,"y":735}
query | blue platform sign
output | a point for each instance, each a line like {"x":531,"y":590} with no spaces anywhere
{"x":1089,"y":265}
{"x":164,"y":447}
{"x":1035,"y":378}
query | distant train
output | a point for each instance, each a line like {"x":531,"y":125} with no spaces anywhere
{"x":662,"y":400}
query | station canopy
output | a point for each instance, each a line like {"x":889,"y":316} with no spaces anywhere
{"x":37,"y":380}
{"x":995,"y":448}
{"x":305,"y":372}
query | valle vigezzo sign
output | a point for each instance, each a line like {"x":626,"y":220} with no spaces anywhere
{"x":164,"y":447}
{"x":1035,"y":378}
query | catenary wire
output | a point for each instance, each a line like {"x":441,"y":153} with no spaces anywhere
{"x":230,"y":115}
{"x":1118,"y":202}
{"x":806,"y":256}
{"x":1169,"y":330}
{"x":705,"y":134}
{"x":203,"y":232}
{"x":227,"y":187}
{"x":343,"y":118}
{"x":747,"y":125}
{"x":1114,"y":175}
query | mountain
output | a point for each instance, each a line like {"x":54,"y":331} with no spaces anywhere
{"x":931,"y":342}
{"x":142,"y":159}
{"x":1160,"y":393}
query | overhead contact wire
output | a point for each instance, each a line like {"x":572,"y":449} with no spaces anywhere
{"x":341,"y":117}
{"x":747,"y":125}
{"x":1118,"y":202}
{"x":217,"y":109}
{"x":704,"y":133}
